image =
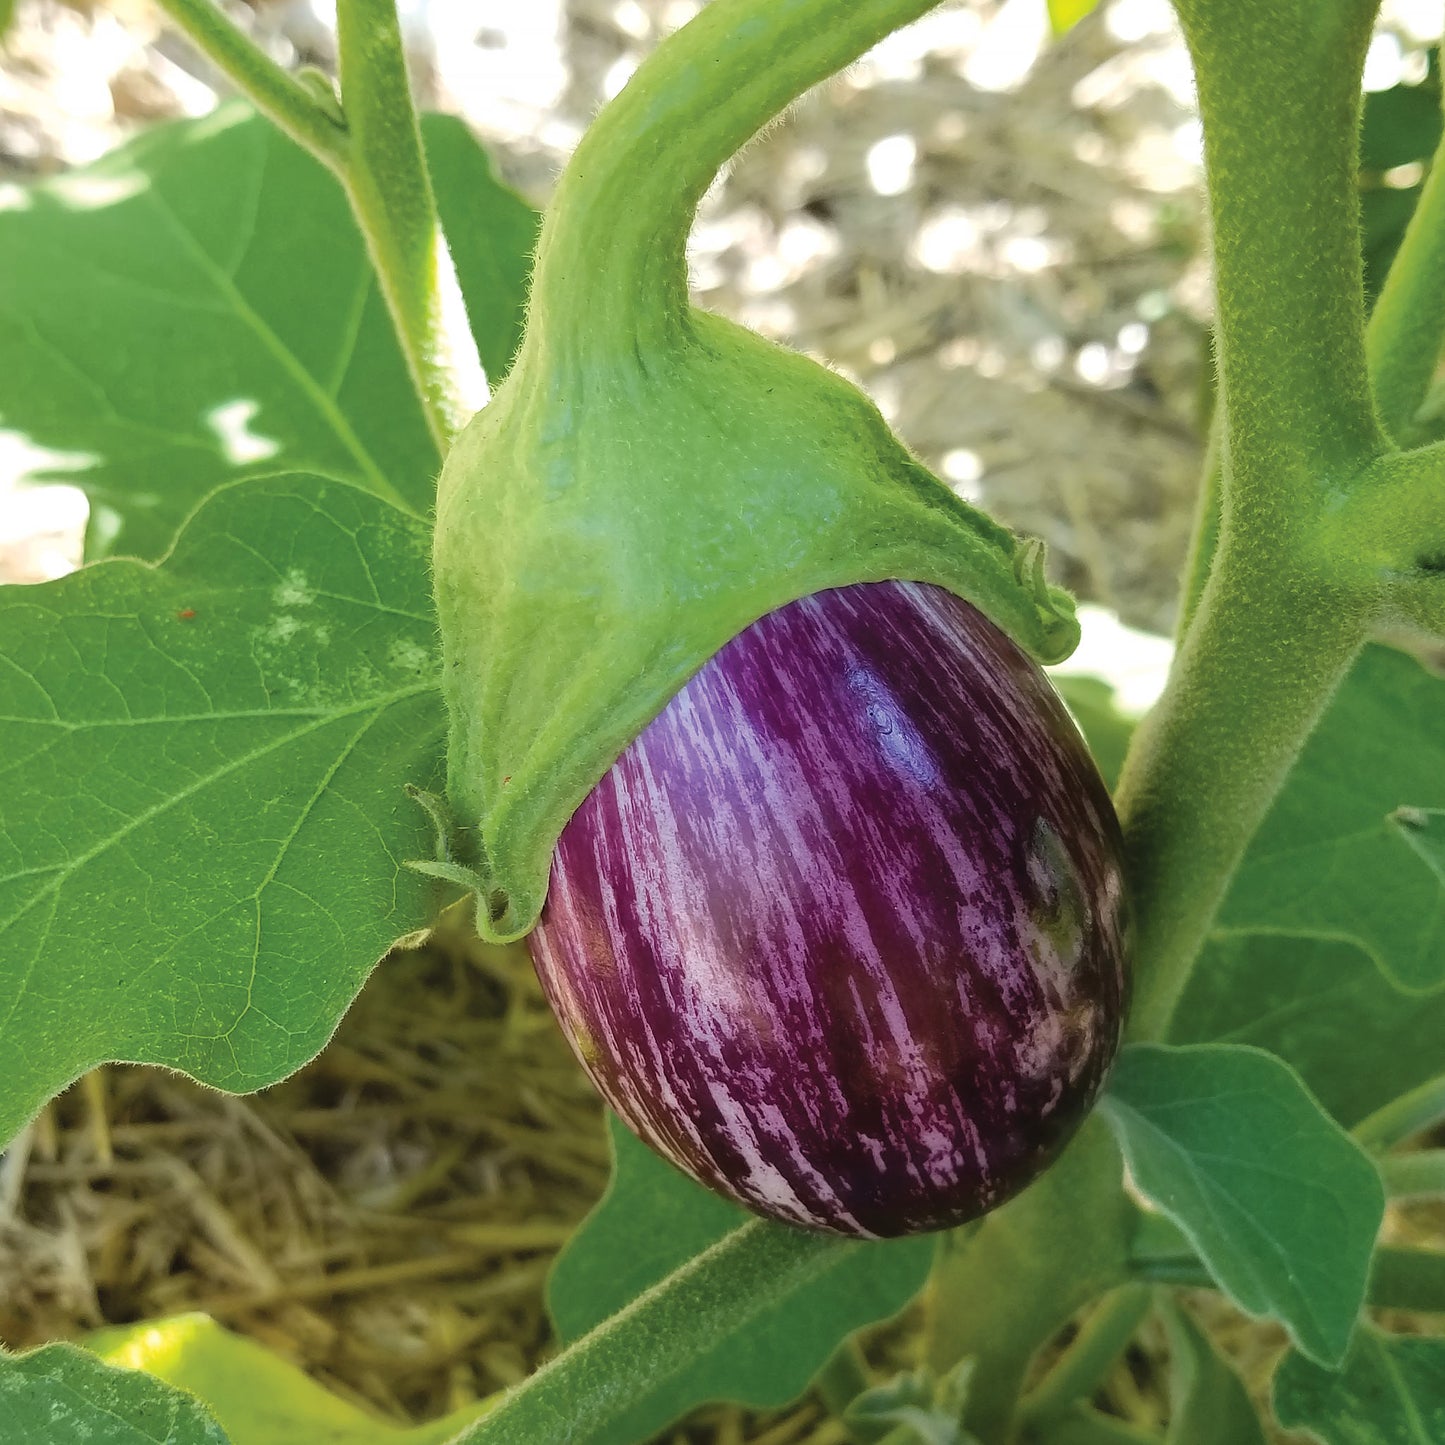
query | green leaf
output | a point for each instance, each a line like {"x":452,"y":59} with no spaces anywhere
{"x":198,"y":306}
{"x":258,"y":1398}
{"x":1322,"y":1006}
{"x":202,"y":825}
{"x":652,"y":1222}
{"x":1280,"y":1203}
{"x":60,"y":1394}
{"x":1065,"y":14}
{"x":1208,"y":1402}
{"x":1332,"y":859}
{"x":1106,"y":728}
{"x":1402,"y":124}
{"x":1390,"y":1391}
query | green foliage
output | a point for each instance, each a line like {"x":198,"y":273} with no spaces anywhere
{"x":915,"y":1408}
{"x":62,"y":1394}
{"x":654,"y":1221}
{"x":1398,"y":127}
{"x":1106,"y":729}
{"x":1280,"y":1203}
{"x":198,"y":306}
{"x":1208,"y":1402}
{"x":1389,"y":1391}
{"x":1334,"y":859}
{"x":256,"y":1397}
{"x":202,"y":828}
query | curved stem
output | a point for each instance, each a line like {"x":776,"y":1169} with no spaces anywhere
{"x":390,"y":190}
{"x":276,"y":93}
{"x":717,"y":1295}
{"x":1274,"y":631}
{"x":1411,"y":1113}
{"x":1082,"y":1367}
{"x":1407,"y":326}
{"x":653,"y":152}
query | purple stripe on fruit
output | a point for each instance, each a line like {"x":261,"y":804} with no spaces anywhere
{"x":842,"y":933}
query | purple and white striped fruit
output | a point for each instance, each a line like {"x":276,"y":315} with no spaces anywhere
{"x":841,"y":934}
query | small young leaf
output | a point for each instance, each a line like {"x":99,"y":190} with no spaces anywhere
{"x":1332,"y":859}
{"x":917,"y":1408}
{"x":653,"y":1221}
{"x":1389,"y":1391}
{"x":257,"y":1397}
{"x":198,"y":307}
{"x":1208,"y":1402}
{"x":202,"y":822}
{"x":1281,"y":1204}
{"x":60,"y":1393}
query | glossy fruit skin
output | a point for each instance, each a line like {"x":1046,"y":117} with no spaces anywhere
{"x":842,"y":934}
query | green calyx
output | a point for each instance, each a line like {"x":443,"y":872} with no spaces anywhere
{"x":650,"y":479}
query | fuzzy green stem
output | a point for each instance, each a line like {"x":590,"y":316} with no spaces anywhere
{"x":390,"y":190}
{"x":275,"y":93}
{"x":1274,"y":631}
{"x":1407,"y":326}
{"x":1082,"y":1367}
{"x":718,"y":1295}
{"x":623,"y":208}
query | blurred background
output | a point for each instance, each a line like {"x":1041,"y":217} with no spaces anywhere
{"x":1000,"y":236}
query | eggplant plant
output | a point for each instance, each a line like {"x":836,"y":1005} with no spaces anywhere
{"x":687,"y":672}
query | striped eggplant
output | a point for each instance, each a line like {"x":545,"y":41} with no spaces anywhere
{"x":842,"y":933}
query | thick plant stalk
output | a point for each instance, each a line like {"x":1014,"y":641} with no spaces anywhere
{"x":373,"y":146}
{"x":1274,"y":631}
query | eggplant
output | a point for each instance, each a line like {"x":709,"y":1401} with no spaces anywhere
{"x":843,"y":933}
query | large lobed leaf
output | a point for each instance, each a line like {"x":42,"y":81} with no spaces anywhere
{"x":198,"y":306}
{"x":202,"y":825}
